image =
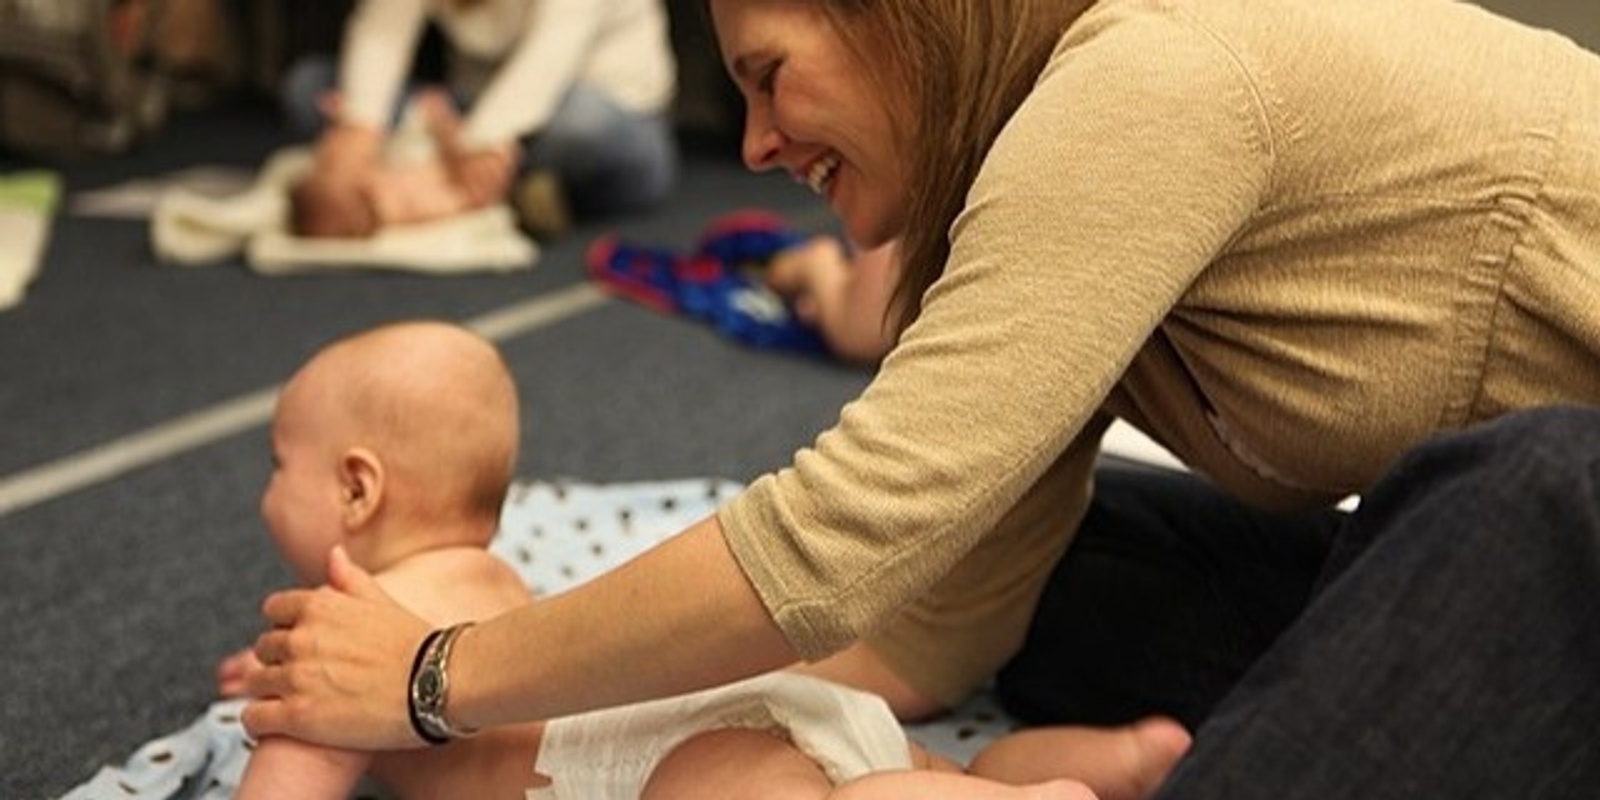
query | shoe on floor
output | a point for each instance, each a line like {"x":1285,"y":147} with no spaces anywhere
{"x":541,"y":205}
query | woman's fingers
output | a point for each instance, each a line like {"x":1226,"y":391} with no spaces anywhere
{"x":348,"y":577}
{"x":263,"y":718}
{"x":334,"y":664}
{"x":484,"y":175}
{"x":272,"y":647}
{"x":283,"y":609}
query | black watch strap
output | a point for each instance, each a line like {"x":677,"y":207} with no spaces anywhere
{"x":430,"y":687}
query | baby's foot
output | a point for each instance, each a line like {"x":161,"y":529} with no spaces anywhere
{"x":1153,"y":747}
{"x":1127,"y":762}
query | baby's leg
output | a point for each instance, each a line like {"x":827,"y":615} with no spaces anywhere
{"x":1122,"y":763}
{"x":739,"y":764}
{"x":736,"y":764}
{"x":913,"y":784}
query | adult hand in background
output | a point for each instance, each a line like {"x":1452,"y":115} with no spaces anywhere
{"x":484,"y":174}
{"x":336,"y":666}
{"x":346,"y":149}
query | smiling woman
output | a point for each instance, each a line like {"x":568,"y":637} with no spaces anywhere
{"x":1229,"y":225}
{"x":815,"y":110}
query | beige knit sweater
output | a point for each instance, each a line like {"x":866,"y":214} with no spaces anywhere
{"x":1286,"y":238}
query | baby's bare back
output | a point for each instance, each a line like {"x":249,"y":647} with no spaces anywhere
{"x":448,"y":586}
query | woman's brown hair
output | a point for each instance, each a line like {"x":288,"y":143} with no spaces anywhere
{"x":965,"y":66}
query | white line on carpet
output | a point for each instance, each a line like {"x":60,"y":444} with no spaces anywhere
{"x":230,"y":417}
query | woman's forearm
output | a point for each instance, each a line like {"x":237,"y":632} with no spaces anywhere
{"x":680,"y":617}
{"x":379,"y":45}
{"x":861,"y":667}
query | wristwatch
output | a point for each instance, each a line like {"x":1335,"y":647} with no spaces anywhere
{"x":430,"y":687}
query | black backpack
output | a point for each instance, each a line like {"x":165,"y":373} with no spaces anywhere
{"x":70,"y":88}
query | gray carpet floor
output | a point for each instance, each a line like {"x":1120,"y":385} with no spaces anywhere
{"x":120,"y":596}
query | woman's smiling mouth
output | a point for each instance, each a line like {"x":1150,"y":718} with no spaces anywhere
{"x":820,"y":172}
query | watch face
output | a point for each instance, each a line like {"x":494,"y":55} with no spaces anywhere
{"x":430,"y":687}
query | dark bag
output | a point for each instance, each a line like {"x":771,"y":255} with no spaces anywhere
{"x":71,"y":85}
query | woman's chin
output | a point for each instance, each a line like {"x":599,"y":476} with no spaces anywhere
{"x":866,"y":231}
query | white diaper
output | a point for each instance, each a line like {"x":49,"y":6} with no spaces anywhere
{"x":611,"y":753}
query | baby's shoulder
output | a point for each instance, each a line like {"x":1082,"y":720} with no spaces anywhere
{"x":455,"y":583}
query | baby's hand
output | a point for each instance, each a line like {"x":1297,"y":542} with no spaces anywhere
{"x":234,"y":671}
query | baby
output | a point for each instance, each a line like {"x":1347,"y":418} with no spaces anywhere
{"x":413,"y":188}
{"x":396,"y":447}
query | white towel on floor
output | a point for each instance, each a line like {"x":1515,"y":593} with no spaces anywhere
{"x":189,"y":228}
{"x":27,"y":205}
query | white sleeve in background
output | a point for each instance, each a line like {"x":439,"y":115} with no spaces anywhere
{"x":380,"y":43}
{"x":548,"y":57}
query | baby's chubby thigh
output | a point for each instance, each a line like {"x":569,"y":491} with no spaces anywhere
{"x":737,"y":764}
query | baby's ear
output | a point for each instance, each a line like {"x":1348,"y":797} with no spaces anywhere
{"x":363,"y":481}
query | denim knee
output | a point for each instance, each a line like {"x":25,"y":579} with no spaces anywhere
{"x":300,"y":92}
{"x":1564,"y":433}
{"x":1528,"y":474}
{"x":611,"y":159}
{"x":1532,"y":449}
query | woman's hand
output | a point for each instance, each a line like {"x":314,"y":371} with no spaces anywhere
{"x":484,"y":174}
{"x":348,"y":150}
{"x":336,"y":667}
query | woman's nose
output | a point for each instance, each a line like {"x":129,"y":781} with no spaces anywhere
{"x":762,"y":141}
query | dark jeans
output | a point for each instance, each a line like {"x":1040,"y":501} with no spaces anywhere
{"x":1453,"y":646}
{"x":1169,"y":593}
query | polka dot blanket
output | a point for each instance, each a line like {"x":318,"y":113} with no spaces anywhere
{"x":556,"y":534}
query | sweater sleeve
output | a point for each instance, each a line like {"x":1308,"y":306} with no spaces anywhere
{"x":526,"y":88}
{"x":1140,"y":152}
{"x":947,"y":641}
{"x":380,"y":41}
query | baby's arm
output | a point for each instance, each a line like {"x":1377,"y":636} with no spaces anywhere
{"x":282,"y":767}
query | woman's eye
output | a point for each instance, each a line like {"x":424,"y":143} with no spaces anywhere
{"x":768,"y":78}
